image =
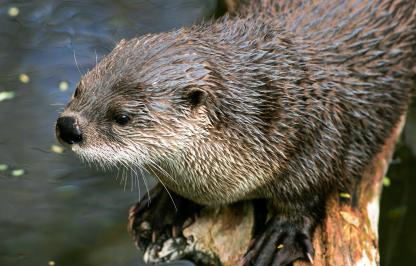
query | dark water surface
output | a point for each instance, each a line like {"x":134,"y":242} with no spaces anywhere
{"x":59,"y":211}
{"x":53,"y":209}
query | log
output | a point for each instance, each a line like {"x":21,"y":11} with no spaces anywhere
{"x":347,"y":236}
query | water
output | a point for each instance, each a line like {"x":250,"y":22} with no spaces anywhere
{"x":60,"y":211}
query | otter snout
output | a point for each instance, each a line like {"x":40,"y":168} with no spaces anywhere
{"x":68,"y":131}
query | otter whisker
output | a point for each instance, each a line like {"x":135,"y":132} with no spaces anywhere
{"x":121,"y":176}
{"x":118,"y":173}
{"x":124,"y":179}
{"x":129,"y":176}
{"x":76,"y":63}
{"x":145,"y":184}
{"x":127,"y":168}
{"x":122,"y":169}
{"x":161,"y":182}
{"x":133,"y":175}
{"x":136,"y":176}
{"x":158,"y":167}
{"x":96,"y":57}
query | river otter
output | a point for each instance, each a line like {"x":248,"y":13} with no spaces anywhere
{"x":286,"y":103}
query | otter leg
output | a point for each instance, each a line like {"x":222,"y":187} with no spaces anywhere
{"x":160,"y":216}
{"x":281,"y":242}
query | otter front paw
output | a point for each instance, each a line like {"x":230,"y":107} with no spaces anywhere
{"x":160,"y":219}
{"x":282,"y":242}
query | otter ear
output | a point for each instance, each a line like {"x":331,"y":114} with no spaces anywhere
{"x":196,"y":97}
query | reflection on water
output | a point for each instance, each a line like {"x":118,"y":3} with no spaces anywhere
{"x":52,"y":208}
{"x":58,"y":211}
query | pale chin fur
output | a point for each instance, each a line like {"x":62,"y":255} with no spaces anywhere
{"x":106,"y":157}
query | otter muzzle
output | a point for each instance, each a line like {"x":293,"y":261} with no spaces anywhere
{"x":68,"y":131}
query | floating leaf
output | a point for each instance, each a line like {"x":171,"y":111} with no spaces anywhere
{"x":13,"y":11}
{"x":24,"y":78}
{"x":57,"y":149}
{"x":18,"y":172}
{"x":6,"y":95}
{"x":386,"y":181}
{"x":51,"y":263}
{"x":345,"y":195}
{"x":280,"y":246}
{"x":63,"y":85}
{"x":3,"y":167}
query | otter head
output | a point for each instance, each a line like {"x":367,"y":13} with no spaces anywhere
{"x":144,"y":102}
{"x":181,"y":103}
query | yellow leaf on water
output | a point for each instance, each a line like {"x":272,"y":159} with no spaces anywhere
{"x":63,"y":85}
{"x":18,"y":172}
{"x":24,"y":78}
{"x":6,"y":95}
{"x":13,"y":11}
{"x":57,"y":149}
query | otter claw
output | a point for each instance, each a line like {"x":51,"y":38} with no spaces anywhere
{"x":145,"y":226}
{"x":310,"y":258}
{"x":281,"y":243}
{"x":154,"y":220}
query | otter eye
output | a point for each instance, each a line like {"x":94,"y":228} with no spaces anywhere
{"x":122,"y":119}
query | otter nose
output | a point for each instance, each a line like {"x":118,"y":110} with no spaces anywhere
{"x":67,"y":129}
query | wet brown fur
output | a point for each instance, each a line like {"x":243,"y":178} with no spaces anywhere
{"x":286,"y":102}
